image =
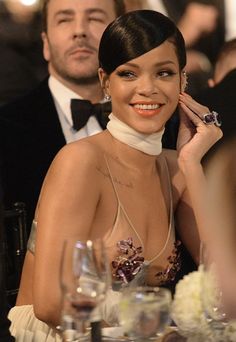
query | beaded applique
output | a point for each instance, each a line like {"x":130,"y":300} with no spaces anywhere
{"x":174,"y":265}
{"x":129,"y":262}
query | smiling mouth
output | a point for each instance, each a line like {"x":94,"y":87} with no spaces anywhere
{"x":147,"y":109}
{"x":147,"y":106}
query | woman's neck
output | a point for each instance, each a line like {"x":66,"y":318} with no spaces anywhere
{"x":132,"y":159}
{"x":150,"y":144}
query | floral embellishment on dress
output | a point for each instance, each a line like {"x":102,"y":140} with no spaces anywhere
{"x":174,"y":265}
{"x":128,"y":263}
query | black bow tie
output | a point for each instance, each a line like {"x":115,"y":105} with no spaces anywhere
{"x":82,"y":110}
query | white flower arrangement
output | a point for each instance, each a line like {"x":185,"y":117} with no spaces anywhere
{"x":188,"y":313}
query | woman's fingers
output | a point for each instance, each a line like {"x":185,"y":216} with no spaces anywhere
{"x":194,"y":134}
{"x":192,"y":107}
{"x":186,"y":129}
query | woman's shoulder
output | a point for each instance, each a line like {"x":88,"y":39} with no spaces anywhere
{"x":76,"y":166}
{"x":88,"y":150}
{"x":79,"y":159}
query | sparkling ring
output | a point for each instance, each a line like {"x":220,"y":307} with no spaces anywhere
{"x":212,"y":118}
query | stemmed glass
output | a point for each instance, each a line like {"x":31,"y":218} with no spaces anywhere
{"x":145,"y":312}
{"x":85,"y":279}
{"x":212,"y":296}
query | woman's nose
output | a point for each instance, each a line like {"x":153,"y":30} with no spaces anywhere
{"x":147,"y":86}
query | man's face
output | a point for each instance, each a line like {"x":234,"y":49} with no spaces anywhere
{"x":74,"y":31}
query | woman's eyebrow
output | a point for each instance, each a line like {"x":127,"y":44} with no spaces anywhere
{"x":131,"y":64}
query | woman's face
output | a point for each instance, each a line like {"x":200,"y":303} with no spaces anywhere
{"x":145,"y":91}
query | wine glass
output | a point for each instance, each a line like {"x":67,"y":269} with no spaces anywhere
{"x":212,"y":296}
{"x":145,"y":312}
{"x":85,"y":278}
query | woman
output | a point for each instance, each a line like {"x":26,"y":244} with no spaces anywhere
{"x":119,"y":183}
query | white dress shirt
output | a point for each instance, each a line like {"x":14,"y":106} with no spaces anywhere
{"x":156,"y":5}
{"x":230,"y":19}
{"x":62,"y":97}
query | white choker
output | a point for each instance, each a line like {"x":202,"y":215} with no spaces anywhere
{"x":147,"y":143}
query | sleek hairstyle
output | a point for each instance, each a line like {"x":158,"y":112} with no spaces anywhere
{"x":136,"y":33}
{"x":119,"y":7}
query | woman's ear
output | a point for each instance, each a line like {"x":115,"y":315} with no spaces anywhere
{"x":104,"y":80}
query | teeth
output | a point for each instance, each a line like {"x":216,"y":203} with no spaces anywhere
{"x":147,"y":106}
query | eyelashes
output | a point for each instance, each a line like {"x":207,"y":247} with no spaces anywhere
{"x":125,"y":73}
{"x":160,"y":74}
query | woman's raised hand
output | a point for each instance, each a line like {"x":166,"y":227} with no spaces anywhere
{"x":195,"y":136}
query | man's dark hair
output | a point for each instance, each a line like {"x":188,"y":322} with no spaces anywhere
{"x":119,"y":7}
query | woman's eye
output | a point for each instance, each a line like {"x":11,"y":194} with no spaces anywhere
{"x":165,"y":73}
{"x":126,"y":74}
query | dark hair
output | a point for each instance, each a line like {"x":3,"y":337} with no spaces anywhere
{"x":136,"y":33}
{"x":119,"y":8}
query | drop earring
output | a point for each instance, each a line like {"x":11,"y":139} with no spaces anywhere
{"x":107,"y":97}
{"x":185,"y":83}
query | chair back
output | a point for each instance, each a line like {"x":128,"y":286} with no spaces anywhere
{"x":14,"y":248}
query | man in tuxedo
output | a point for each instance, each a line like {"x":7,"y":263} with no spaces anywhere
{"x":35,"y":127}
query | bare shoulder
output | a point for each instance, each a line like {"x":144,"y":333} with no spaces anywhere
{"x":86,"y":151}
{"x":78,"y":159}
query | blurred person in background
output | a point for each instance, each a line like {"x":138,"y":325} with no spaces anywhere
{"x":220,"y":238}
{"x":220,"y":168}
{"x":230,"y":22}
{"x":22,"y":65}
{"x":220,"y":93}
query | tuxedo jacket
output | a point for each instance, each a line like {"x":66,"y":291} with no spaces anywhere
{"x":30,"y":137}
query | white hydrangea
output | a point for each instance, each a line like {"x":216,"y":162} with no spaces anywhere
{"x":230,"y":332}
{"x":188,"y":314}
{"x":187,"y":311}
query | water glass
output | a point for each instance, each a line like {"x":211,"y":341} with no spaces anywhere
{"x":84,"y":278}
{"x":212,"y":296}
{"x":145,"y":312}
